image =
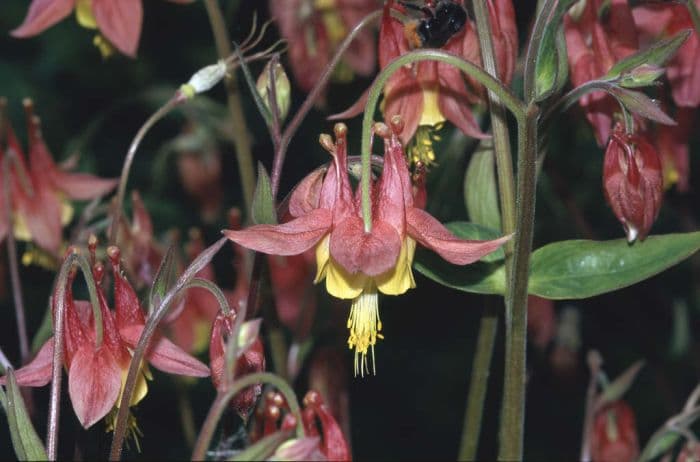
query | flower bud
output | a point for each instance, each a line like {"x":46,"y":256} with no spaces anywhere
{"x":204,"y":79}
{"x":633,"y":182}
{"x":282,"y":88}
{"x":641,"y":76}
{"x":614,"y":436}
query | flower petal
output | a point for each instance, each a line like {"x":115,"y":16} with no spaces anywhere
{"x":306,"y":194}
{"x":432,"y":234}
{"x":94,"y":381}
{"x":42,"y":15}
{"x":37,"y":373}
{"x":370,"y":253}
{"x":289,"y":238}
{"x":165,"y":355}
{"x":120,"y":22}
{"x":81,"y":186}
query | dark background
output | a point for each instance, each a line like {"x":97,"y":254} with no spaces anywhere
{"x":413,"y":408}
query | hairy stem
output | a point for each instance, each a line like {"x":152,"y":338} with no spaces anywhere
{"x":12,"y":262}
{"x":478,"y":385}
{"x":513,"y":409}
{"x":126,"y":168}
{"x":312,"y":97}
{"x":241,"y":138}
{"x":221,"y":402}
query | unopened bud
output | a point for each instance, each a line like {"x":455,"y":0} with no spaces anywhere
{"x":641,"y":76}
{"x":204,"y":79}
{"x":282,"y":88}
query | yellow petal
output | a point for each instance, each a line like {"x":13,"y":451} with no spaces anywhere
{"x":83,"y":13}
{"x":400,"y":278}
{"x":431,"y":110}
{"x":323,"y":255}
{"x":341,"y":284}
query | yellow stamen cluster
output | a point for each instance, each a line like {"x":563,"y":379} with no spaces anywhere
{"x":365,"y":327}
{"x":421,"y":148}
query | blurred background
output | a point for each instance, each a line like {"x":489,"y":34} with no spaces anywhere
{"x":413,"y":408}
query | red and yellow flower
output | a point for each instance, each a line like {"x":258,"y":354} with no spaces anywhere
{"x":357,"y":264}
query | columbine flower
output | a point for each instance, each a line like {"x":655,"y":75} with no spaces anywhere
{"x":39,"y":191}
{"x":603,"y":34}
{"x":357,"y":264}
{"x":118,"y":21}
{"x":633,"y":182}
{"x":314,"y":28}
{"x":614,"y":435}
{"x":97,"y":372}
{"x":427,"y":93}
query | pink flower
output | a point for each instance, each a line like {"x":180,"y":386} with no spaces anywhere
{"x":97,"y":371}
{"x":594,"y":45}
{"x":39,"y":190}
{"x":633,"y":182}
{"x":119,"y":21}
{"x":614,"y":436}
{"x":356,"y":264}
{"x":428,"y":93}
{"x":313,"y":29}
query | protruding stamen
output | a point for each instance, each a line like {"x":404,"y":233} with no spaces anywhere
{"x":365,"y":327}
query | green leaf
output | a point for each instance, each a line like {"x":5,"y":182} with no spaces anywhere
{"x":640,"y":104}
{"x":618,"y":387}
{"x":580,"y":269}
{"x":263,"y":202}
{"x":163,"y":280}
{"x":480,"y":278}
{"x":659,"y":444}
{"x":480,"y":192}
{"x":551,"y":61}
{"x":26,"y":442}
{"x":656,"y":55}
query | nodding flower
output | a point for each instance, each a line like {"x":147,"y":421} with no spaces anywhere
{"x":356,"y":264}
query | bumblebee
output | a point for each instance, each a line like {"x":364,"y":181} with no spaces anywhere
{"x":442,"y":20}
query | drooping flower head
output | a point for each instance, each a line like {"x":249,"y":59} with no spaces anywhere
{"x":40,"y":189}
{"x":633,"y":182}
{"x":356,"y":264}
{"x":97,"y":368}
{"x":118,"y":22}
{"x":428,"y":93}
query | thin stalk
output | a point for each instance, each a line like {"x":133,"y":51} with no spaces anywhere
{"x":313,"y":95}
{"x":488,"y":326}
{"x":594,"y":363}
{"x":478,"y":385}
{"x":149,"y":329}
{"x":222,"y":400}
{"x":513,"y":409}
{"x":130,"y":155}
{"x":12,"y":261}
{"x":241,"y":138}
{"x":505,"y":95}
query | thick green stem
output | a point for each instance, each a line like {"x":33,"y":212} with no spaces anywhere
{"x":221,"y":402}
{"x":488,"y":326}
{"x":241,"y":138}
{"x":504,"y":94}
{"x":513,"y":409}
{"x":478,"y":385}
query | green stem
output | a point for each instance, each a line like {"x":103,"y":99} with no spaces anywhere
{"x":478,"y":385}
{"x":488,"y":326}
{"x":221,"y":402}
{"x":513,"y":409}
{"x":506,"y":96}
{"x":241,"y":138}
